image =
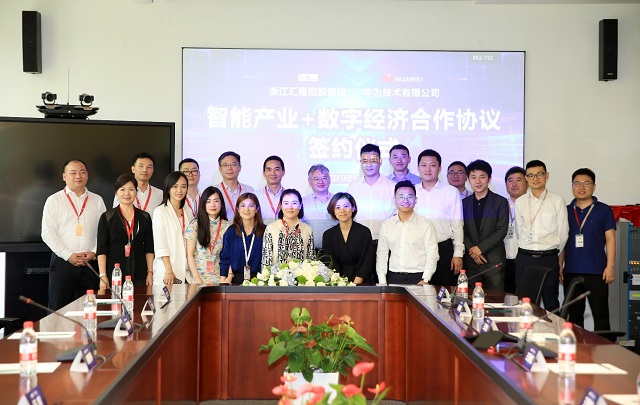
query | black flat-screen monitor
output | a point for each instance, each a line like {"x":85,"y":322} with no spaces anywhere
{"x":33,"y":152}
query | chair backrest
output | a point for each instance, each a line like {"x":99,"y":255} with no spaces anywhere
{"x":571,"y":294}
{"x":530,"y":284}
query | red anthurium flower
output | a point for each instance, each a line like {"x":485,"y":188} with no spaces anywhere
{"x":306,"y":388}
{"x":288,"y":377}
{"x":318,"y":395}
{"x":345,"y":318}
{"x":350,"y":390}
{"x":298,"y":329}
{"x":378,"y":389}
{"x":285,"y":401}
{"x":311,"y":344}
{"x":278,"y":390}
{"x":362,"y":368}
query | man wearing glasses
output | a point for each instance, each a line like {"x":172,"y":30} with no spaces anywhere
{"x":411,"y":239}
{"x":315,"y":204}
{"x":457,"y":177}
{"x":486,"y":222}
{"x":190,"y":168}
{"x":592,"y":228}
{"x":542,"y":230}
{"x":373,"y":193}
{"x":230,"y":167}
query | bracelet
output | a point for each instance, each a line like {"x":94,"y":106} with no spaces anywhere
{"x":103,"y":275}
{"x":149,"y":271}
{"x":168,"y":272}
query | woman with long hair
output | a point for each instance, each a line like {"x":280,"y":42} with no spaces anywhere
{"x":125,"y":236}
{"x":348,"y":244}
{"x":170,"y":221}
{"x":242,"y":243}
{"x":287,"y":237}
{"x":204,"y":237}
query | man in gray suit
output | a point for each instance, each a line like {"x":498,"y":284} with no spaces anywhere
{"x":486,"y":222}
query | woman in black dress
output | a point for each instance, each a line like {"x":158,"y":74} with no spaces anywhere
{"x":348,"y":244}
{"x":125,"y":236}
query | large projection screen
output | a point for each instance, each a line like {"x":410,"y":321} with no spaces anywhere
{"x":321,"y":106}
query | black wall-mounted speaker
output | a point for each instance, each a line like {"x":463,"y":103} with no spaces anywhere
{"x":31,"y":42}
{"x":608,"y":55}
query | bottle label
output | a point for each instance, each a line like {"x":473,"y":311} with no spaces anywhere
{"x":28,"y":352}
{"x":463,"y":288}
{"x":90,"y":315}
{"x":526,"y":325}
{"x":127,"y":297}
{"x":566,"y":352}
{"x":478,"y":303}
{"x":116,"y":281}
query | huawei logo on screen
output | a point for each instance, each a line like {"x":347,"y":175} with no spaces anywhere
{"x":389,"y":78}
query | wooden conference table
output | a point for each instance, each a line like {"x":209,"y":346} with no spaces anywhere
{"x":203,"y":346}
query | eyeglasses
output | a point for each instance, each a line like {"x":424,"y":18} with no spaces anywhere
{"x":227,"y":165}
{"x":538,"y":175}
{"x":323,"y":178}
{"x":193,"y":172}
{"x":585,"y":184}
{"x":372,"y":161}
{"x":405,"y":197}
{"x":452,"y":173}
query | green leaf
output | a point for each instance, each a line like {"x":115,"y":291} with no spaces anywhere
{"x":277,"y":352}
{"x":296,"y":362}
{"x":307,"y":374}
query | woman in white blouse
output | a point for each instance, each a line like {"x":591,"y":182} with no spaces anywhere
{"x":170,"y":222}
{"x":287,"y":237}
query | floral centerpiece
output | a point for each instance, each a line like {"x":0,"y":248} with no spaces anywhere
{"x":310,"y":394}
{"x":328,"y":347}
{"x":296,"y":272}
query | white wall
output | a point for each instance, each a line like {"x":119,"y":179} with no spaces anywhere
{"x":128,"y":55}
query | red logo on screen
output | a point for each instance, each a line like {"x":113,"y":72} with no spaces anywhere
{"x":388,"y":78}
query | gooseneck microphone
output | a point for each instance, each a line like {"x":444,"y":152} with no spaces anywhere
{"x":455,"y":299}
{"x":69,"y":354}
{"x":111,"y":323}
{"x":523,"y":340}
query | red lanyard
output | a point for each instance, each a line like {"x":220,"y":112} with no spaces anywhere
{"x":182,"y":216}
{"x":286,"y":228}
{"x":128,"y":227}
{"x":233,"y":209}
{"x":266,"y":191}
{"x":195,"y":200}
{"x":213,"y":246}
{"x":575,"y":211}
{"x":146,"y":204}
{"x":74,"y":207}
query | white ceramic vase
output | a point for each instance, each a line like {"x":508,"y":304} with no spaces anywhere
{"x":319,"y":379}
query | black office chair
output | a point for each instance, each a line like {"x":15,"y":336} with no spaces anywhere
{"x":611,"y":335}
{"x":571,"y":294}
{"x":531,"y":282}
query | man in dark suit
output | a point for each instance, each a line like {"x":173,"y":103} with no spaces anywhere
{"x":486,"y":222}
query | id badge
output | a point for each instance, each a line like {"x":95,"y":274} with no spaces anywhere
{"x":247,"y":272}
{"x":209,"y":267}
{"x":579,"y":240}
{"x":79,"y":230}
{"x":510,"y":233}
{"x":529,"y":237}
{"x":127,"y":250}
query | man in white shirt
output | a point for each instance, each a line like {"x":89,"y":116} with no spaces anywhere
{"x":516,"y":185}
{"x":440,"y":203}
{"x":457,"y":177}
{"x":411,"y":239}
{"x":269,"y":195}
{"x":373,"y":193}
{"x":230,"y":167}
{"x":69,"y":228}
{"x":315,"y":204}
{"x":542,"y":230}
{"x":190,"y":168}
{"x":399,"y":159}
{"x":147,"y":196}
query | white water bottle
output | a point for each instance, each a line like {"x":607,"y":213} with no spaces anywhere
{"x":463,"y":284}
{"x":567,"y":351}
{"x":127,"y":294}
{"x":116,"y":281}
{"x":478,"y":301}
{"x":526,"y":314}
{"x":90,"y":311}
{"x":28,"y":351}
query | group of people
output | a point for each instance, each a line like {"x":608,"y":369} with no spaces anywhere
{"x":410,"y":229}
